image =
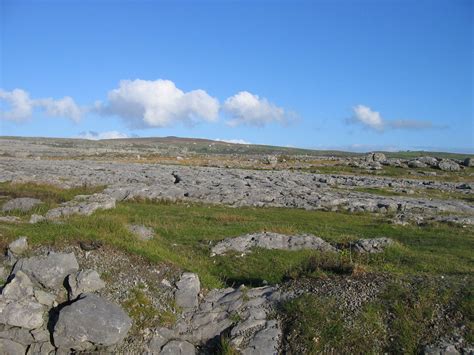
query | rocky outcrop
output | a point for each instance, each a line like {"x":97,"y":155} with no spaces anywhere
{"x":187,"y":291}
{"x":82,"y":205}
{"x":32,"y":321}
{"x":266,"y":240}
{"x":23,"y":204}
{"x":242,"y":313}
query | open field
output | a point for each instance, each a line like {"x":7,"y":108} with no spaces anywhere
{"x":409,"y":297}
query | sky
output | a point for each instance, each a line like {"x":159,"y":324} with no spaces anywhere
{"x":336,"y":74}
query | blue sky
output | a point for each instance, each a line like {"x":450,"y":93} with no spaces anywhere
{"x":357,"y":75}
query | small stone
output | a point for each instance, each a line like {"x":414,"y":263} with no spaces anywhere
{"x":45,"y":298}
{"x":36,"y":218}
{"x":18,"y":246}
{"x":178,"y":347}
{"x":85,"y":281}
{"x":142,"y":232}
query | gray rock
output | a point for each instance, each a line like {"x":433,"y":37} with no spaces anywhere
{"x":142,"y":232}
{"x":416,"y":164}
{"x":24,"y":313}
{"x":9,"y":347}
{"x":271,"y":241}
{"x":18,"y":246}
{"x":431,"y":161}
{"x":266,"y":341}
{"x":49,"y":271}
{"x":178,"y":347}
{"x":448,"y":165}
{"x":23,"y":204}
{"x":18,"y":288}
{"x":10,"y":219}
{"x":188,"y":287}
{"x":18,"y":335}
{"x":45,"y":298}
{"x":82,"y":205}
{"x":376,"y":245}
{"x":84,"y":281}
{"x":90,"y":321}
{"x":36,"y":218}
{"x":469,"y":162}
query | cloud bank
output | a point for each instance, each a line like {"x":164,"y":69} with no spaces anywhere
{"x":92,"y":135}
{"x":369,"y":118}
{"x":16,"y":105}
{"x":246,"y":108}
{"x":159,"y":103}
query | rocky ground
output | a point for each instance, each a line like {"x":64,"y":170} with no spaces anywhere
{"x":90,"y":296}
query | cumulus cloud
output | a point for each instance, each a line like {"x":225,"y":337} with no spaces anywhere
{"x":159,"y":103}
{"x":18,"y":106}
{"x":369,"y":118}
{"x":233,"y":141}
{"x":21,"y":106}
{"x":92,"y":135}
{"x":246,"y":108}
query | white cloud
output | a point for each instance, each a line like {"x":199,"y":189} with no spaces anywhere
{"x":249,"y":109}
{"x":21,"y":106}
{"x":365,"y":116}
{"x":159,"y":103}
{"x":65,"y":107}
{"x":91,"y":135}
{"x":233,"y":141}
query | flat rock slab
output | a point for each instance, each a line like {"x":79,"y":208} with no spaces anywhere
{"x":82,"y":205}
{"x":376,"y":245}
{"x":244,"y":243}
{"x":90,"y":321}
{"x":188,"y":288}
{"x":50,"y":270}
{"x":142,"y":232}
{"x":23,"y":204}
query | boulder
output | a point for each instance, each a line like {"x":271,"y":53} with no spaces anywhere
{"x":84,"y":281}
{"x":431,"y":161}
{"x":90,"y":321}
{"x":469,"y":162}
{"x":416,"y":164}
{"x":50,"y":270}
{"x":448,"y":165}
{"x":18,"y":246}
{"x":188,"y":288}
{"x":23,"y":204}
{"x":9,"y":347}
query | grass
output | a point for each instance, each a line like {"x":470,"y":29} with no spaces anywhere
{"x":409,"y":314}
{"x":185,"y":232}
